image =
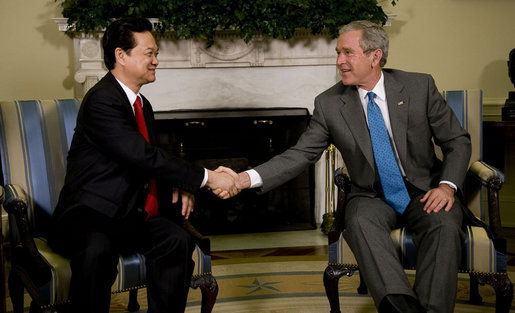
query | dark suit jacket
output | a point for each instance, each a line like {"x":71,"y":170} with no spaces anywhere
{"x":418,"y":115}
{"x":110,"y":162}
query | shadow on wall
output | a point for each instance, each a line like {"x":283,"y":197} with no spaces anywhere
{"x":51,"y":35}
{"x":493,"y":73}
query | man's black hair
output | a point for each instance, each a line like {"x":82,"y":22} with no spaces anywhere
{"x":119,"y":34}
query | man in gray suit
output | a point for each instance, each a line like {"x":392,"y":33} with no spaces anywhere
{"x":414,"y":115}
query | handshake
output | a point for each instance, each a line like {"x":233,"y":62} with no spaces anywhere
{"x":225,"y":183}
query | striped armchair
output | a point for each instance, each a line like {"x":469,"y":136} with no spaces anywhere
{"x":484,"y":249}
{"x":35,"y":137}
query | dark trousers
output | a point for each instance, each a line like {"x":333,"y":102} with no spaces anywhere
{"x":438,"y":236}
{"x":93,"y":242}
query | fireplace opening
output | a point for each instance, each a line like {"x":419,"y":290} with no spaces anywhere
{"x":242,"y":139}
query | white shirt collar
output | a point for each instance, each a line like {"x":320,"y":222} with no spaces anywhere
{"x":130,"y":94}
{"x":378,"y":90}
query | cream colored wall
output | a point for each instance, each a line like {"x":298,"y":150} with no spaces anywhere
{"x":36,"y":59}
{"x":463,"y":43}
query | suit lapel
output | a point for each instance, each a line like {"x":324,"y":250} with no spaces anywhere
{"x":147,"y":111}
{"x":121,"y":93}
{"x":398,"y":105}
{"x":352,"y":112}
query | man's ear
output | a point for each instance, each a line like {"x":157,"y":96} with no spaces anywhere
{"x":377,"y":56}
{"x":119,"y":55}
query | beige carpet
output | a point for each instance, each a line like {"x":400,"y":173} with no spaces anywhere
{"x":278,"y":285}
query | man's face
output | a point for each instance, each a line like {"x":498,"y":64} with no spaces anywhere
{"x":141,"y":61}
{"x":355,"y":66}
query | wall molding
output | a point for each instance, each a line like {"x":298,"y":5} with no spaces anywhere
{"x":492,"y":108}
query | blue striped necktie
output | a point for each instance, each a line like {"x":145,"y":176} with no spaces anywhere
{"x":394,"y":190}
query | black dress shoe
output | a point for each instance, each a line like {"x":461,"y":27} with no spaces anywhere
{"x":398,"y":303}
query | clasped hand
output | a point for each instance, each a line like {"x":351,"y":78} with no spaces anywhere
{"x":224,"y":182}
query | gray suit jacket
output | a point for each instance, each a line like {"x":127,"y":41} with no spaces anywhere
{"x":418,"y":115}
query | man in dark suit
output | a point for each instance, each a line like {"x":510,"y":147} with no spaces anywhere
{"x":418,"y":190}
{"x":121,"y":192}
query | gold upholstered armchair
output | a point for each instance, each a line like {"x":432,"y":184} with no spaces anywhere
{"x":34,"y":140}
{"x":484,"y":249}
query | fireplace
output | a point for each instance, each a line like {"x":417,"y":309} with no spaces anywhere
{"x":242,"y":139}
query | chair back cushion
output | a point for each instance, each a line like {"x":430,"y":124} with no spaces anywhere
{"x":467,"y":105}
{"x":35,"y":137}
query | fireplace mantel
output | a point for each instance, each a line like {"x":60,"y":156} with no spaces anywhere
{"x":228,"y":72}
{"x":229,"y":51}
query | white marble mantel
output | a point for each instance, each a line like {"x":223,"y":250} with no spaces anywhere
{"x":231,"y":74}
{"x":265,"y":72}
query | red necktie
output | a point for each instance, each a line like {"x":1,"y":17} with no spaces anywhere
{"x":151,"y":202}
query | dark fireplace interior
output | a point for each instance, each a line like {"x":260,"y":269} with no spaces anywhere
{"x":242,"y":139}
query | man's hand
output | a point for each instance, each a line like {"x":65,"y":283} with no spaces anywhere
{"x":187,"y":199}
{"x":438,"y":198}
{"x":222,"y":184}
{"x":241,"y":180}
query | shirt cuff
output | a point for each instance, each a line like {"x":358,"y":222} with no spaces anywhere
{"x":255,"y":179}
{"x":452,"y":185}
{"x":204,"y":181}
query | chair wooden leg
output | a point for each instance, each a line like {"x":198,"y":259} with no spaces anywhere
{"x":332,"y":275}
{"x":503,"y":294}
{"x":209,"y":289}
{"x":503,"y":289}
{"x":16,"y":292}
{"x":475,"y":297}
{"x":133,"y":305}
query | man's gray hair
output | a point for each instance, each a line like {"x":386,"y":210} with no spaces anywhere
{"x":373,"y":37}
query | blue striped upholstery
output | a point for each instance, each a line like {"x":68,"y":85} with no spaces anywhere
{"x":479,"y":254}
{"x":35,"y":140}
{"x":467,"y":105}
{"x":35,"y":137}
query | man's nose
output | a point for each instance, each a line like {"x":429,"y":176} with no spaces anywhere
{"x":340,"y":59}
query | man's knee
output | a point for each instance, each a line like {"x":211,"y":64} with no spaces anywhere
{"x":441,"y":229}
{"x":366,"y":213}
{"x":97,"y":253}
{"x":175,"y":241}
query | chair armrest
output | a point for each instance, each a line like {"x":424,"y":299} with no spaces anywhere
{"x":486,"y":174}
{"x":15,"y":204}
{"x":203,"y":242}
{"x":493,"y":179}
{"x":343,"y":182}
{"x":25,"y":254}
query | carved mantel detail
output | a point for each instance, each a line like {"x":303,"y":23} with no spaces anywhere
{"x":229,"y":51}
